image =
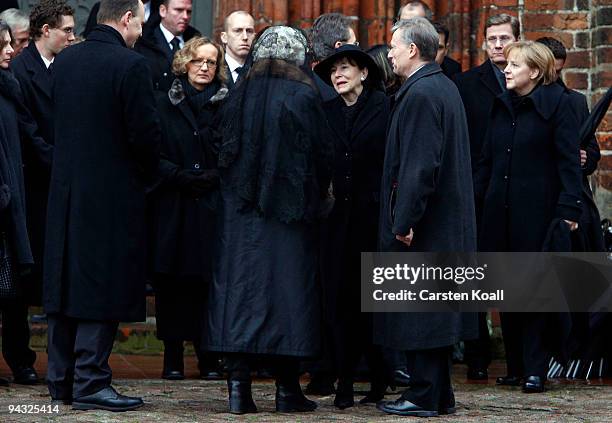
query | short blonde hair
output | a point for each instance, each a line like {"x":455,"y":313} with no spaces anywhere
{"x":188,"y":52}
{"x":536,"y":56}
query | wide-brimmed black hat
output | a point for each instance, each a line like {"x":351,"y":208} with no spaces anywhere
{"x":323,"y":69}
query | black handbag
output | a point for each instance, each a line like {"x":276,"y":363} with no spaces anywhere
{"x":8,"y":285}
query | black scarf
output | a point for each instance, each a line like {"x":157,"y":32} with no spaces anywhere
{"x":197,"y":99}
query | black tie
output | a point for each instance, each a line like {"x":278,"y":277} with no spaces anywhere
{"x":238,"y":72}
{"x":176,"y":44}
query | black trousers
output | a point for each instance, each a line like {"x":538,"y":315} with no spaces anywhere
{"x":430,"y":372}
{"x":16,"y":334}
{"x":78,"y":356}
{"x":524,"y":342}
{"x":478,"y":351}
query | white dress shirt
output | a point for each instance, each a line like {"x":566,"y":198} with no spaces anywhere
{"x":170,"y":36}
{"x":233,"y":65}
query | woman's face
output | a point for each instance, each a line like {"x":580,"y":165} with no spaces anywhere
{"x":519,"y":77}
{"x":347,"y":78}
{"x":7,"y":50}
{"x":201,"y":70}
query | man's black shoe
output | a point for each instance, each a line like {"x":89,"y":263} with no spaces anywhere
{"x":290,"y":399}
{"x":449,"y":410}
{"x":477,"y":374}
{"x":533,"y":385}
{"x":25,"y":376}
{"x":59,"y":401}
{"x":211,"y":375}
{"x":372,"y":397}
{"x":173,"y":375}
{"x":344,"y":400}
{"x":240,"y":397}
{"x":403,"y":407}
{"x":107,"y":399}
{"x":401,"y":378}
{"x":508,"y":381}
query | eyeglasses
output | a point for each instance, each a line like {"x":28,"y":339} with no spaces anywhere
{"x":503,"y":40}
{"x":200,"y":62}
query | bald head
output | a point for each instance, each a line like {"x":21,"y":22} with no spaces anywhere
{"x":238,"y":33}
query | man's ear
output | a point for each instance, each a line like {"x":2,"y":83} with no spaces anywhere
{"x":163,"y":10}
{"x":127,"y":18}
{"x":224,"y":37}
{"x":45,"y":30}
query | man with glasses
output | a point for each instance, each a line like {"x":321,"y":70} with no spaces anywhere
{"x":52,"y":30}
{"x":478,"y":88}
{"x":160,"y":42}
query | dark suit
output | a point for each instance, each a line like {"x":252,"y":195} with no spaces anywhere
{"x":36,"y":83}
{"x":159,"y":55}
{"x":94,"y":267}
{"x":450,"y":67}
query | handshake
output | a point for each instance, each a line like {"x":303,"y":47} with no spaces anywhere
{"x":197,"y":182}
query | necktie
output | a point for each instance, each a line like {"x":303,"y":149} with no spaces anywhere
{"x":238,"y":71}
{"x":176,"y":44}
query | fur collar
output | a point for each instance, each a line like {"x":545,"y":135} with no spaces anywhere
{"x":176,"y":94}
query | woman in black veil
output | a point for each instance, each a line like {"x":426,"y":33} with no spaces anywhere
{"x":275,"y":160}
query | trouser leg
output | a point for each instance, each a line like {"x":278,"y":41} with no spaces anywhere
{"x":93,"y":347}
{"x":238,"y":367}
{"x":535,"y":353}
{"x":173,"y":356}
{"x":478,"y":351}
{"x":61,"y":335}
{"x":512,"y":331}
{"x":16,"y":335}
{"x":430,"y":385}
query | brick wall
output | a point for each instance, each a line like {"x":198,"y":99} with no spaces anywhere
{"x":584,"y":26}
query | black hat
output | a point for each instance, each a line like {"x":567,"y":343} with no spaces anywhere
{"x":323,"y":69}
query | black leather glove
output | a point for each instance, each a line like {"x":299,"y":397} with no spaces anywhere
{"x":197,"y":182}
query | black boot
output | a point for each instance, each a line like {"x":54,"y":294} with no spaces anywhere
{"x":240,"y":397}
{"x":173,"y":361}
{"x":344,"y":394}
{"x":378,"y":388}
{"x":290,"y":399}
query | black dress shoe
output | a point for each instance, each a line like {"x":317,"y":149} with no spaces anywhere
{"x":320,"y":386}
{"x":61,"y":401}
{"x":403,"y":407}
{"x":290,"y":399}
{"x":107,"y":399}
{"x":173,"y":375}
{"x":240,"y":397}
{"x":344,"y":400}
{"x":449,"y":410}
{"x":533,"y":385}
{"x":477,"y":374}
{"x":25,"y":376}
{"x":211,"y":375}
{"x":373,"y":397}
{"x":508,"y":381}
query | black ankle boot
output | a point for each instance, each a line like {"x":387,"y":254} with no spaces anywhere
{"x":240,"y":397}
{"x":344,"y":395}
{"x":173,"y":361}
{"x":290,"y":399}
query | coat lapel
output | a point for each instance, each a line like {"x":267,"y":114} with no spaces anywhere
{"x":487,"y":77}
{"x":41,"y":77}
{"x":368,"y":113}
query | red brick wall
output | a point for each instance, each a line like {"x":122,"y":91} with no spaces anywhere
{"x":584,"y":26}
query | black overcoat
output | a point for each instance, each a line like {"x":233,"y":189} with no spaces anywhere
{"x":106,"y":150}
{"x":478,"y":88}
{"x":265,"y":297}
{"x":182,"y":233}
{"x":426,"y":186}
{"x":450,"y":67}
{"x":529,"y":172}
{"x":36,"y":82}
{"x":155,"y":48}
{"x":352,"y":225}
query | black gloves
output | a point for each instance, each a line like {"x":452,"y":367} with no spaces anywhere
{"x":197,"y":182}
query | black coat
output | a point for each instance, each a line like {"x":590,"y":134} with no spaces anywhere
{"x":426,"y":186}
{"x":265,"y":297}
{"x":106,"y":150}
{"x":155,"y":48}
{"x":529,"y":173}
{"x":36,"y":83}
{"x":12,"y":134}
{"x":352,"y":225}
{"x":478,"y":88}
{"x":450,"y":67}
{"x":183,"y":225}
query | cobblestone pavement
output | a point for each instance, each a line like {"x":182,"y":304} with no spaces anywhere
{"x":194,"y":400}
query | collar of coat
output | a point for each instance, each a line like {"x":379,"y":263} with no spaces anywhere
{"x":106,"y":34}
{"x":545,"y":99}
{"x":176,"y":94}
{"x":429,"y":69}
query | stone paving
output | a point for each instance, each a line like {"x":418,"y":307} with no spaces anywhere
{"x":194,"y":400}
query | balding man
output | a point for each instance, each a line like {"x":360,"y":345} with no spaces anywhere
{"x":413,"y":9}
{"x":237,"y":37}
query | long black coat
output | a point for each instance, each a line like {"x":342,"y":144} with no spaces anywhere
{"x":12,"y":132}
{"x":529,"y":173}
{"x":105,"y":152}
{"x":265,"y":297}
{"x":426,"y":186}
{"x":183,"y":225}
{"x":352,"y":226}
{"x":36,"y":83}
{"x":478,"y":88}
{"x":155,"y":48}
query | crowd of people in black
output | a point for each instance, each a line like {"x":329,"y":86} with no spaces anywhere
{"x":243,"y":179}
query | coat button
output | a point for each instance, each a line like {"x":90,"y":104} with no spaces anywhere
{"x":513,"y":123}
{"x":578,"y":202}
{"x":196,"y":166}
{"x":506,"y":177}
{"x":346,"y":198}
{"x":165,"y":73}
{"x":508,"y":150}
{"x":195,"y":133}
